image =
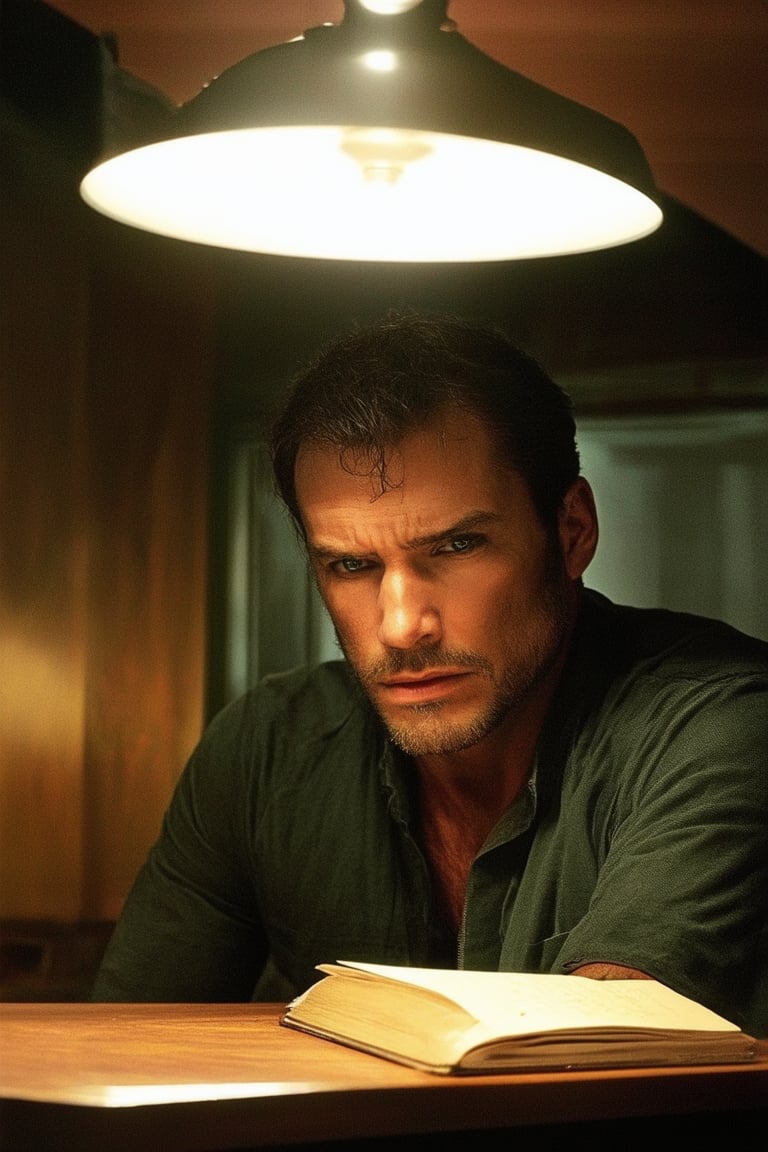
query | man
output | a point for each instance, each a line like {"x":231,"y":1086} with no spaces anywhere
{"x":506,"y":770}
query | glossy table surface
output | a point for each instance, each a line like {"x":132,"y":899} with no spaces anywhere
{"x":213,"y":1077}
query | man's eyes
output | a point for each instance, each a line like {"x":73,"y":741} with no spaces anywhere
{"x":454,"y":546}
{"x":459,"y":544}
{"x":350,"y":564}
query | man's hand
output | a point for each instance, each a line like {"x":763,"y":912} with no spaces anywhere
{"x":610,"y":972}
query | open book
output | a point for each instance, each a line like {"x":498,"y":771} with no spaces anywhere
{"x":458,"y":1021}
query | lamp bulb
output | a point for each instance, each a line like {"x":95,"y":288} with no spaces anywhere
{"x":389,"y":7}
{"x":383,"y":154}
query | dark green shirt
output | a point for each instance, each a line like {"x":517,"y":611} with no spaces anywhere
{"x":642,"y":839}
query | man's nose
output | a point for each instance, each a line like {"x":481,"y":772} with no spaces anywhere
{"x":408,"y":615}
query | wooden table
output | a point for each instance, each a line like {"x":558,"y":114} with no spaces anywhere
{"x":204,"y":1078}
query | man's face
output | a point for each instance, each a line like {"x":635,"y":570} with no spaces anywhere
{"x":448,"y":600}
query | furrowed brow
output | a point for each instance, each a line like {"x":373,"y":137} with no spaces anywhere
{"x":469,"y":523}
{"x":324,"y":552}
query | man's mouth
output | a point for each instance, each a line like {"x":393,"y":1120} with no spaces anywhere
{"x":430,"y":684}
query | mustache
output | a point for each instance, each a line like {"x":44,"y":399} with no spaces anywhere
{"x":417,"y":660}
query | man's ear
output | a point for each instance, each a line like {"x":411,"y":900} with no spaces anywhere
{"x":577,"y":524}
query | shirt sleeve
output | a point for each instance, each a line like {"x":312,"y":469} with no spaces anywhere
{"x":189,"y":930}
{"x":682,"y":890}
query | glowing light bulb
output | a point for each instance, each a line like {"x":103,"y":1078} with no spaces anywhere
{"x":389,"y":7}
{"x":384,"y":154}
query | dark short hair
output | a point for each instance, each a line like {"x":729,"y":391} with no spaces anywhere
{"x":367,"y":390}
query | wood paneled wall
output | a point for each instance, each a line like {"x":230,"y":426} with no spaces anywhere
{"x":106,"y":346}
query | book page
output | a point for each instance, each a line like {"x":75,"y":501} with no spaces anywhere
{"x":515,"y":1002}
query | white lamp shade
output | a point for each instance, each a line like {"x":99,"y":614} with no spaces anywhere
{"x":383,"y":138}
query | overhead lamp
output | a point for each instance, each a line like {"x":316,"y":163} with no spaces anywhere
{"x":385,"y":137}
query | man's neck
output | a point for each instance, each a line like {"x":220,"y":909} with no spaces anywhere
{"x":463,"y":795}
{"x":480,"y":782}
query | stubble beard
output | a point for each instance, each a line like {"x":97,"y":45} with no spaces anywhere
{"x":426,"y":730}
